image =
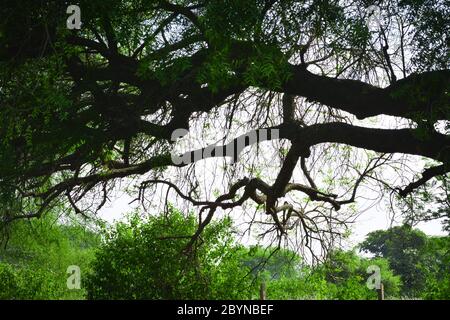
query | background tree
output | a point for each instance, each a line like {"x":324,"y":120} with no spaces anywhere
{"x":437,"y":268}
{"x":414,"y":256}
{"x":273,"y":263}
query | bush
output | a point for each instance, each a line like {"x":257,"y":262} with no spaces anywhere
{"x":343,"y":277}
{"x":34,"y":262}
{"x":9,"y":286}
{"x":26,"y":283}
{"x":347,"y":275}
{"x":143,"y":259}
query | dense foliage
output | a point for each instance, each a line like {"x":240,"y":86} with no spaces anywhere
{"x":343,"y":277}
{"x":146,"y":258}
{"x":422,"y":262}
{"x":35,"y":258}
{"x":145,"y":255}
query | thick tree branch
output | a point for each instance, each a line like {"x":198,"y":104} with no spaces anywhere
{"x":364,"y":100}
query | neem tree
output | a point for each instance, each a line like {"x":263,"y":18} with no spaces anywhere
{"x":357,"y":105}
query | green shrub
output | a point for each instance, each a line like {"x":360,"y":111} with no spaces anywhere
{"x":144,"y":259}
{"x":34,"y":262}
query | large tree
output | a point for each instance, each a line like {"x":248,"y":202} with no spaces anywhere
{"x":405,"y":248}
{"x":421,"y":261}
{"x":359,"y":99}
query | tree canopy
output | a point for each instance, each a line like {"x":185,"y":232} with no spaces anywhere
{"x":355,"y":107}
{"x":419,"y":260}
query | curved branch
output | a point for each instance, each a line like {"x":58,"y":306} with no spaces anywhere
{"x":427,"y":175}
